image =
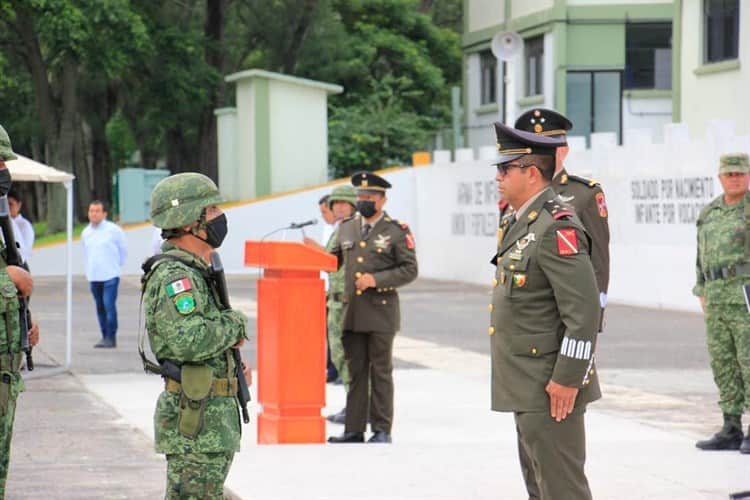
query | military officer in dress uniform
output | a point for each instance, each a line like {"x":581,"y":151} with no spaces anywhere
{"x":585,"y":195}
{"x":544,"y":319}
{"x":378,"y":256}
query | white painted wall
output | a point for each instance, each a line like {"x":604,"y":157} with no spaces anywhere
{"x":229,"y":174}
{"x":479,"y":130}
{"x":483,"y":14}
{"x":245,"y":137}
{"x":716,"y":95}
{"x":299,"y":135}
{"x":650,"y":114}
{"x":520,"y":8}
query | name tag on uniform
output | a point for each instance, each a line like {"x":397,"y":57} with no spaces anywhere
{"x":346,"y":245}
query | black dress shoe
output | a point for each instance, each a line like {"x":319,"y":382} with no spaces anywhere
{"x":348,"y":437}
{"x":338,"y":418}
{"x":380,"y":437}
{"x":106,"y":343}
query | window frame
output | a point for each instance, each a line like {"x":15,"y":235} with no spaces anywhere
{"x":629,"y":83}
{"x":708,"y":58}
{"x":487,"y":91}
{"x":533,"y":47}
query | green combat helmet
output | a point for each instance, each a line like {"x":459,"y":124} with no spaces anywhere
{"x":179,"y":199}
{"x":343,"y":193}
{"x":6,"y":150}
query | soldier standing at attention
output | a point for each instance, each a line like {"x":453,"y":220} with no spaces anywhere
{"x":722,"y":277}
{"x":544,"y":319}
{"x":14,"y":281}
{"x":343,"y":204}
{"x":586,"y":196}
{"x":197,"y":421}
{"x":378,"y":256}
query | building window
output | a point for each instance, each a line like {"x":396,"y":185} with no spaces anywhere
{"x":488,"y":75}
{"x":721,"y":19}
{"x":648,"y":56}
{"x":534,"y":56}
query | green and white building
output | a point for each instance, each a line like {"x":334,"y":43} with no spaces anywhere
{"x":606,"y":64}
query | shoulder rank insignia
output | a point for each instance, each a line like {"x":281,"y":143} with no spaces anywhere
{"x":532,"y":215}
{"x":567,"y":241}
{"x":589,"y":182}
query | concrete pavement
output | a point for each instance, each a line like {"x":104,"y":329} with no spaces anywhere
{"x":94,"y":428}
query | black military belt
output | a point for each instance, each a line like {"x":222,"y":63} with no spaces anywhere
{"x":336,"y":297}
{"x":722,"y":273}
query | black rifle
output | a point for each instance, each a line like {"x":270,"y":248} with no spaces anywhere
{"x":13,"y":258}
{"x":220,"y":285}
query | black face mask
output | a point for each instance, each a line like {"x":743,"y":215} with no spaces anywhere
{"x":5,"y":181}
{"x":366,"y":208}
{"x":216,"y":231}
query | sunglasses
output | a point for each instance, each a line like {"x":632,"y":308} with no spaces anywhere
{"x":504,"y":167}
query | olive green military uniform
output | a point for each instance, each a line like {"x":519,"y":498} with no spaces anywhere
{"x":371,"y":317}
{"x":722,"y":269}
{"x":587,"y":198}
{"x":11,"y":383}
{"x":543,"y":326}
{"x":197,"y":420}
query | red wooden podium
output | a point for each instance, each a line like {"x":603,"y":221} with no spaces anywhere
{"x":291,"y":340}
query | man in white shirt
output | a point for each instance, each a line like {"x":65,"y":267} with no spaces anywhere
{"x":105,"y":252}
{"x":22,"y":228}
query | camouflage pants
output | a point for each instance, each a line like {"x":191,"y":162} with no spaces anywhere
{"x":335,"y":309}
{"x":728,"y":338}
{"x":197,"y":476}
{"x":6,"y":433}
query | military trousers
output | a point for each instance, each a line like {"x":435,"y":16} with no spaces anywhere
{"x":6,"y":434}
{"x":370,"y":359}
{"x":197,"y":476}
{"x":553,"y":455}
{"x":335,"y":344}
{"x":728,"y":339}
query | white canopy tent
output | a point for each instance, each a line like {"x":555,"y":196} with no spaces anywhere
{"x":26,"y":169}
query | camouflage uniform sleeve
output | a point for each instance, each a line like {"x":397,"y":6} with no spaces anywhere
{"x":405,"y":269}
{"x":192,"y":327}
{"x":699,"y":279}
{"x":596,"y":221}
{"x":564,"y":259}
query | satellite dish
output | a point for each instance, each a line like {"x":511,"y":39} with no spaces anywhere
{"x":506,"y":45}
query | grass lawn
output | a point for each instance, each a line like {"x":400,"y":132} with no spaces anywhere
{"x":41,"y":227}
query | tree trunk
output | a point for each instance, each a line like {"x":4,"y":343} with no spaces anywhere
{"x":213,"y":30}
{"x":304,"y":21}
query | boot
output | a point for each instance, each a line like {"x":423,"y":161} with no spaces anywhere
{"x":728,"y":438}
{"x":745,"y":446}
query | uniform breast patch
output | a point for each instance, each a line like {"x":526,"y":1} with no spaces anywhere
{"x":179,"y":286}
{"x":567,"y":241}
{"x":184,"y":302}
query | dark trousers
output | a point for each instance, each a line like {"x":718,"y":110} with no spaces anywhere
{"x":370,"y":359}
{"x":552,"y":455}
{"x":105,"y":297}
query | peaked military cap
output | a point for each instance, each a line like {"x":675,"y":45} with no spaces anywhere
{"x":513,"y":143}
{"x":367,"y":181}
{"x":545,"y":122}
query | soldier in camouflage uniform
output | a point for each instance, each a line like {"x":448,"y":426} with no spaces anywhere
{"x":722,"y":270}
{"x":197,"y":420}
{"x":13,"y":281}
{"x":342,"y":202}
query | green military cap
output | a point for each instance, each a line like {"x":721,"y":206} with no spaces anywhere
{"x":179,"y":199}
{"x":367,"y":181}
{"x":6,"y":149}
{"x":734,"y":162}
{"x":343,"y":193}
{"x":513,"y":143}
{"x":545,"y":122}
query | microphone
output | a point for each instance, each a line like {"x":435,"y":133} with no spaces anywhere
{"x":299,"y":225}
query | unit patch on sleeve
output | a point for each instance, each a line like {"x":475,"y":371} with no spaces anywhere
{"x":410,"y":243}
{"x":179,"y":286}
{"x":184,"y":302}
{"x":601,"y":203}
{"x":567,"y":241}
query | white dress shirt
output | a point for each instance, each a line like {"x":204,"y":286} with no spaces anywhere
{"x":104,"y":250}
{"x":24,"y":233}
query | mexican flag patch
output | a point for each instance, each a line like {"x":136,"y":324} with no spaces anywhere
{"x":178,"y":286}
